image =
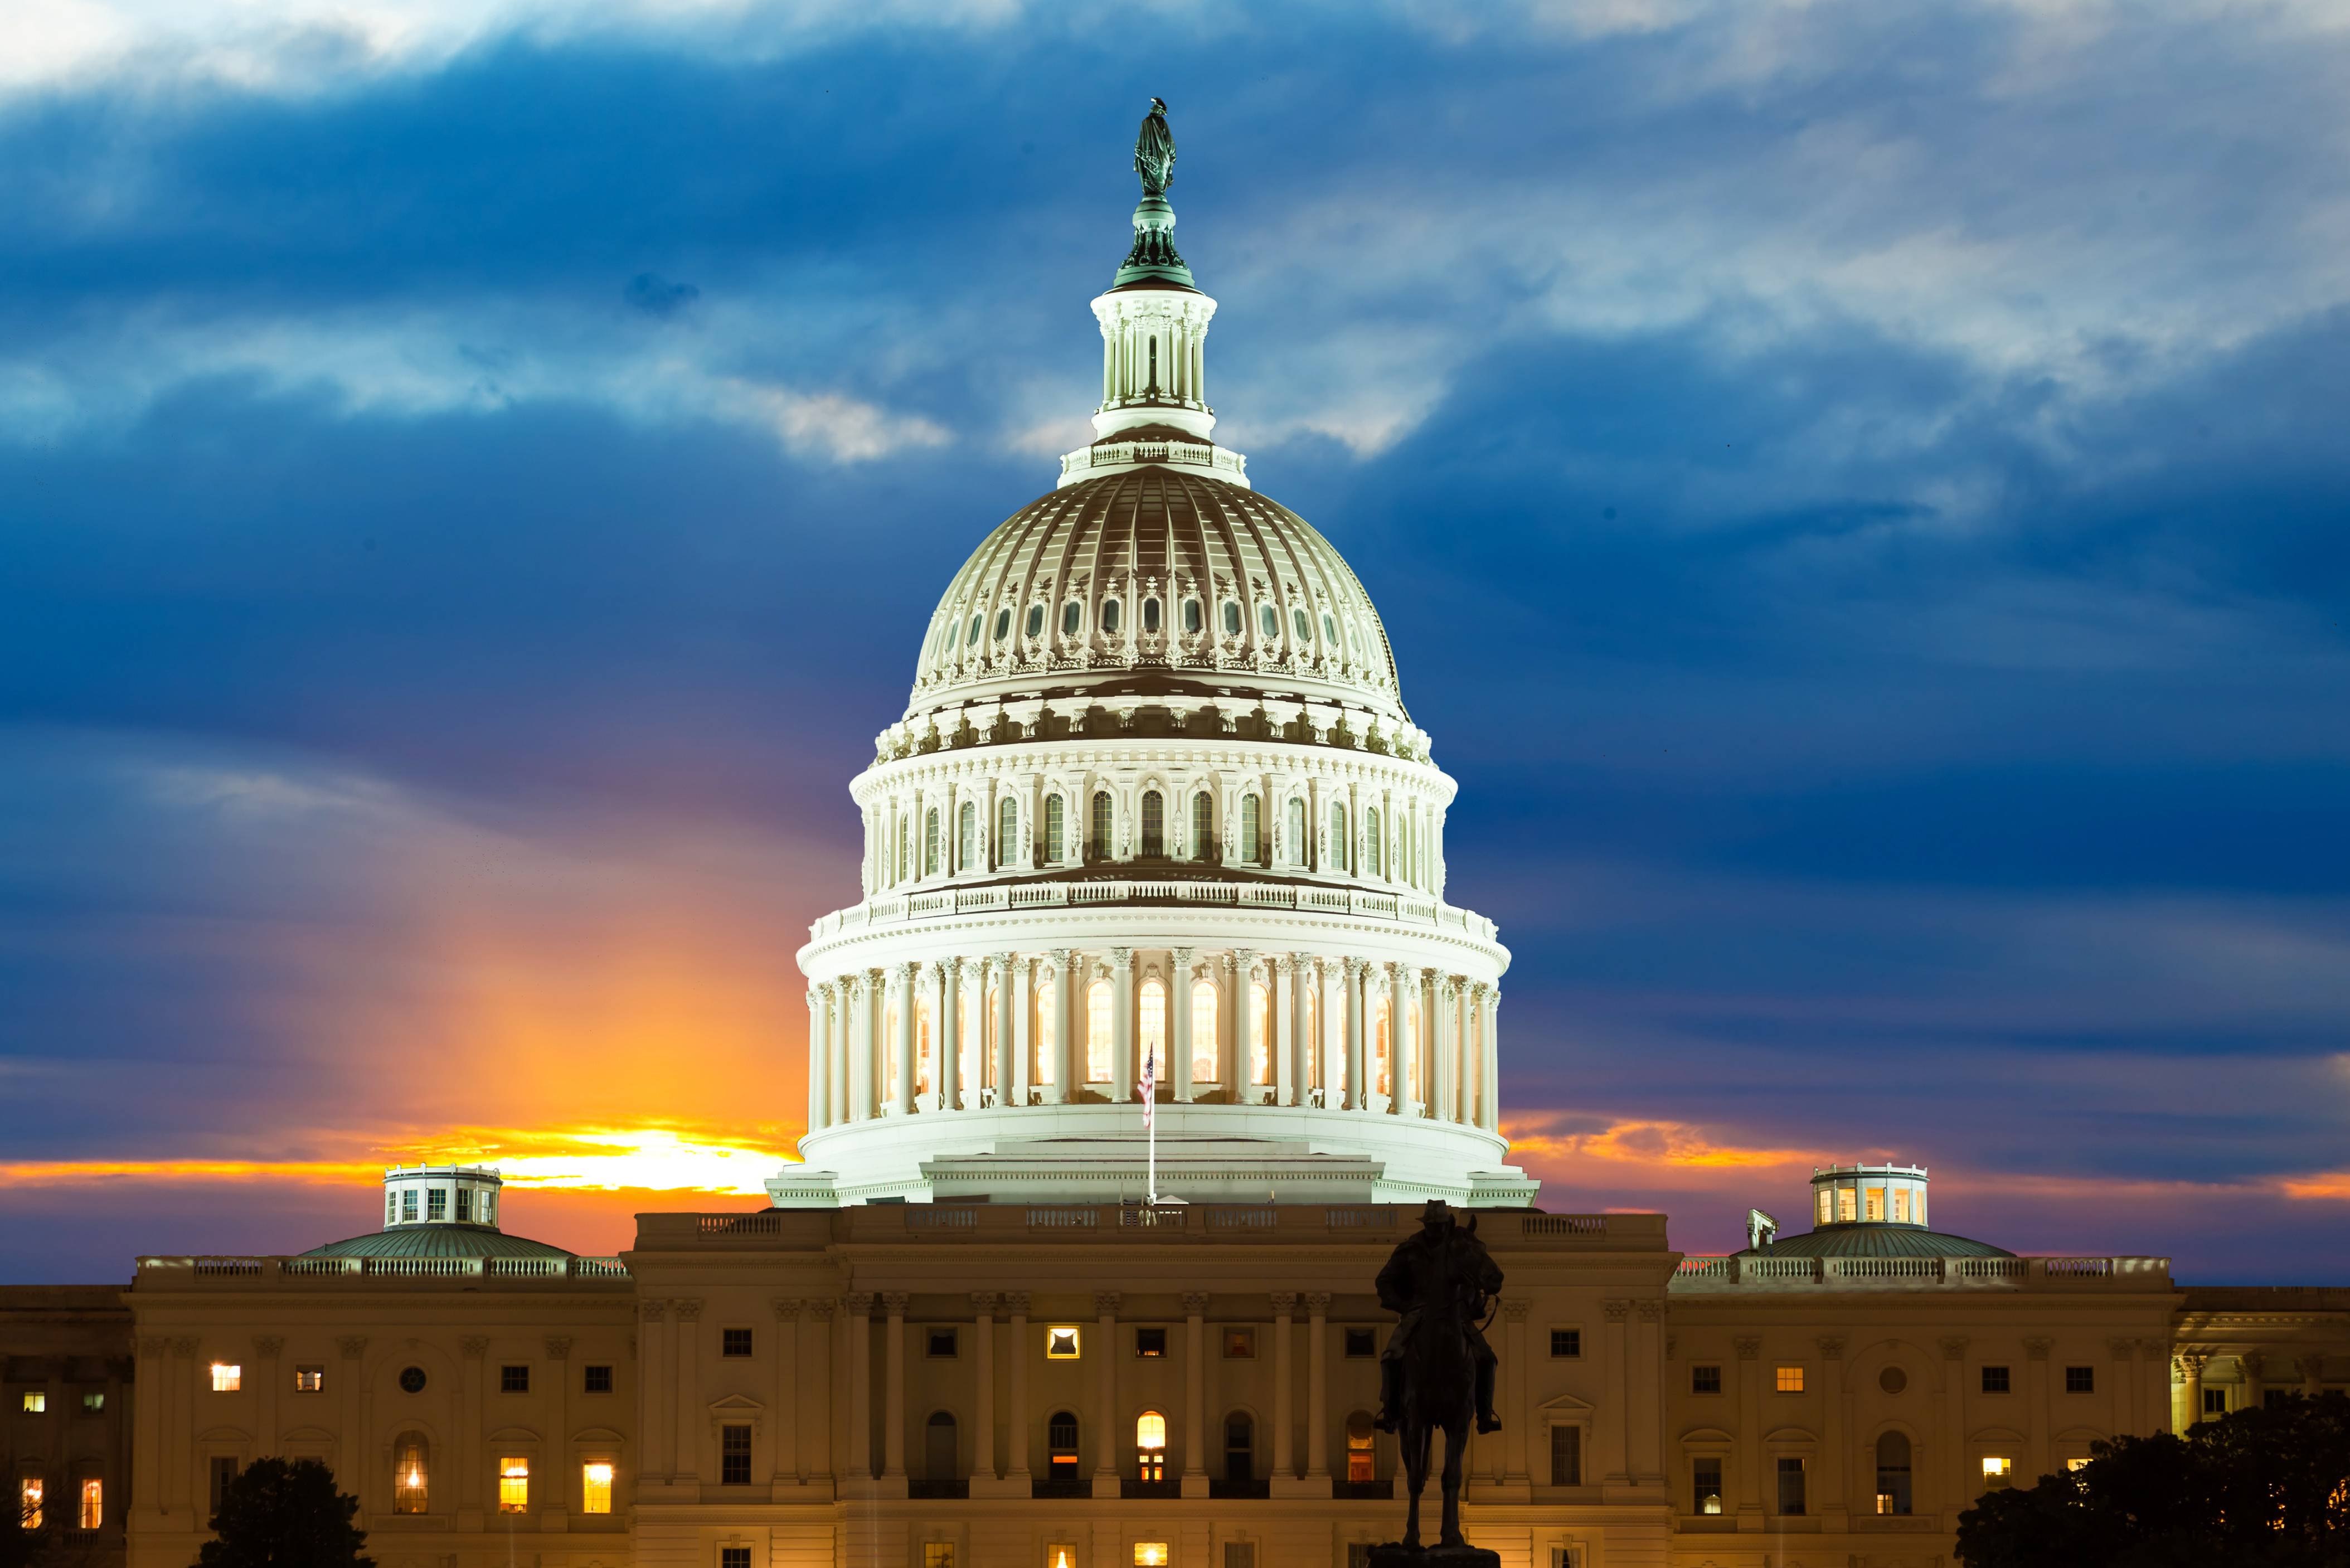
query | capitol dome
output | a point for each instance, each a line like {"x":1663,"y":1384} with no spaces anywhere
{"x":1154,"y":829}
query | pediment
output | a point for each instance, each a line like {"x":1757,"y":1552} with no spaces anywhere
{"x":513,"y":1435}
{"x":1789,"y":1435}
{"x":1709,"y":1435}
{"x":2083,"y":1434}
{"x":1565,"y":1405}
{"x":224,"y":1435}
{"x":1995,"y":1434}
{"x":596,"y":1435}
{"x":309,"y":1434}
{"x":732,"y":1403}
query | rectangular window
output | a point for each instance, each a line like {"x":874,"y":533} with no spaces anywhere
{"x":739,"y":1557}
{"x":464,"y":1206}
{"x":1791,"y":1486}
{"x":1240,"y":1344}
{"x":310,"y":1378}
{"x":408,"y":1204}
{"x":1061,"y":1342}
{"x":1705,"y":1378}
{"x":1994,"y":1379}
{"x":1790,"y":1380}
{"x":734,"y":1342}
{"x":940,"y":1344}
{"x":514,"y":1485}
{"x":1362,"y":1344}
{"x":1875,"y":1206}
{"x":1566,"y":1456}
{"x":1997,"y":1470}
{"x":514,"y":1379}
{"x":29,"y":1511}
{"x":1240,"y":1554}
{"x":733,"y":1455}
{"x":227,"y":1377}
{"x":1705,"y":1487}
{"x":595,"y":1487}
{"x":93,"y":1404}
{"x":1565,"y":1344}
{"x":1358,"y":1554}
{"x":222,"y":1472}
{"x":2215,"y":1401}
{"x":1150,"y":1555}
{"x":93,"y":1505}
{"x":597,"y":1379}
{"x":2074,"y":1464}
{"x":935,"y":1555}
{"x":34,"y":1403}
{"x":1150,"y":1343}
{"x":436,"y":1204}
{"x":1902,"y":1206}
{"x":1847,"y":1205}
{"x":2080,"y":1380}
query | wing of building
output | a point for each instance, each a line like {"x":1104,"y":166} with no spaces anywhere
{"x":1155,"y":814}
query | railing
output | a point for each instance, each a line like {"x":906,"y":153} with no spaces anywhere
{"x":1063,"y":1218}
{"x":155,"y":1272}
{"x":946,"y":902}
{"x":1700,"y":1273}
{"x":937,"y":1217}
{"x":1191,"y":454}
{"x":1364,"y":1217}
{"x":228,"y":1268}
{"x":1151,"y":1218}
{"x":1563,"y":1225}
{"x":1267,"y":1218}
{"x":742,"y":1224}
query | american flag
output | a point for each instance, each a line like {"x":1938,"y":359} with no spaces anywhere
{"x":1149,"y":1087}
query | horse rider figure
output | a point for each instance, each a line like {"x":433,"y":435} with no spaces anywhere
{"x":1441,"y":1257}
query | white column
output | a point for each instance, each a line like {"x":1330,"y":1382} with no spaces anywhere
{"x":859,"y":1305}
{"x":2190,"y":1374}
{"x":1284,"y":1443}
{"x":1464,"y":1093}
{"x":1436,"y":1016}
{"x":1359,"y":1087}
{"x":1403,"y":1071}
{"x":1179,"y":998}
{"x":893,"y":1386}
{"x":1062,"y":1091}
{"x":901,"y":1092}
{"x":842,"y":1027}
{"x":820,"y":1023}
{"x":1285,"y":1012}
{"x":1011,"y":1072}
{"x":860,"y":1053}
{"x":1106,"y":1437}
{"x":1317,"y":1389}
{"x":1195,"y":1394}
{"x":1121,"y":1024}
{"x":949,"y":1034}
{"x":1489,"y":1098}
{"x":982,"y":1435}
{"x":1236,"y":1027}
{"x":1016,"y":1304}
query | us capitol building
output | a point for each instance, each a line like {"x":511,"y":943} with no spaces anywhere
{"x":1155,"y":813}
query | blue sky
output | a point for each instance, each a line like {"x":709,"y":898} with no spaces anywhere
{"x":1858,"y":494}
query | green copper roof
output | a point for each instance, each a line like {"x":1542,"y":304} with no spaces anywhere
{"x":437,"y":1241}
{"x":1876,"y":1239}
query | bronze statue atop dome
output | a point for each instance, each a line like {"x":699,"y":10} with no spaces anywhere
{"x":1154,"y":150}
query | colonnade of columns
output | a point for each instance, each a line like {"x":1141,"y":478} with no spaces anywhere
{"x":1230,"y":1027}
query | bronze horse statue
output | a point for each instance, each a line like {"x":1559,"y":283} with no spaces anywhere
{"x":1438,"y":1372}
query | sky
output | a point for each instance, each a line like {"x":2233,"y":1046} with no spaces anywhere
{"x":1857,"y":494}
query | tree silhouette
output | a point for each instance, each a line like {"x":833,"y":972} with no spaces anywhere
{"x":282,"y":1513}
{"x":2264,"y":1488}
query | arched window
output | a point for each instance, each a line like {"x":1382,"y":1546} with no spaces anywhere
{"x":1409,"y":1065}
{"x":1268,"y":622}
{"x":1154,"y":825}
{"x":1097,"y":1032}
{"x":1260,"y":1036}
{"x":1382,"y":1049}
{"x":924,"y":1033}
{"x":1252,"y":828}
{"x":930,"y":842}
{"x":1061,"y":1446}
{"x":1040,"y":1043}
{"x":1330,"y":630}
{"x":1055,"y":826}
{"x":1007,"y":831}
{"x":411,"y":1474}
{"x":1204,"y":1031}
{"x":1153,"y":1020}
{"x":1151,"y":617}
{"x":1101,"y":844}
{"x":967,"y":837}
{"x":1308,"y":1047}
{"x":1371,"y":840}
{"x":1036,"y":626}
{"x":1191,"y":621}
{"x":1203,"y":826}
{"x":889,"y":1053}
{"x":970,"y":634}
{"x":1240,"y":1446}
{"x":1003,"y":623}
{"x":1297,"y":831}
{"x":1362,"y":1455}
{"x":1150,"y":1446}
{"x":1892,"y":1473}
{"x":903,"y":866}
{"x":1072,"y":616}
{"x":1232,"y":618}
{"x":1338,"y":844}
{"x":939,"y":1447}
{"x":1299,"y":624}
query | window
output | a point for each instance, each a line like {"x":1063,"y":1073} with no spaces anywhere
{"x":1565,"y":1456}
{"x":1260,"y":1039}
{"x":410,"y":1476}
{"x":1892,"y":1473}
{"x":1337,"y":836}
{"x":436,"y":1205}
{"x":1705,"y":1378}
{"x":1097,"y":1032}
{"x":930,"y":842}
{"x":1565,"y":1344}
{"x":1053,"y":813}
{"x":1060,"y":1554}
{"x":1061,"y":1446}
{"x":1003,"y":623}
{"x":940,"y":1344}
{"x":1203,"y":826}
{"x":1041,"y":1040}
{"x":93,"y":1404}
{"x":1790,"y":1380}
{"x":1362,"y":1456}
{"x":1232,"y":618}
{"x":1705,"y":1486}
{"x":31,"y":1514}
{"x":1846,"y":1199}
{"x":1300,"y":625}
{"x":34,"y":1403}
{"x":1154,"y":823}
{"x":2215,"y":1401}
{"x":1240,"y":1446}
{"x":736,"y":1557}
{"x":1036,"y":626}
{"x":1893,"y":1380}
{"x":967,"y":837}
{"x":227,"y":1377}
{"x":392,"y":1207}
{"x":1371,"y":841}
{"x":971,"y":633}
{"x":1007,"y":831}
{"x":595,"y":1487}
{"x":1240,"y":1344}
{"x":1998,"y":1470}
{"x":514,"y":1485}
{"x":1240,"y":1554}
{"x":1072,"y":616}
{"x":1109,"y":616}
{"x":733,"y":1454}
{"x":2074,"y":1464}
{"x":92,"y":1512}
{"x":1994,"y":1379}
{"x":1791,"y":1486}
{"x":1902,"y":1206}
{"x":734,"y":1342}
{"x":1296,"y":832}
{"x":1330,"y":629}
{"x":2080,"y":1380}
{"x":1100,"y":846}
{"x":514,"y":1379}
{"x":1150,"y":1343}
{"x":1204,"y":1031}
{"x":935,"y":1555}
{"x":1150,"y":1446}
{"x":465,"y":1205}
{"x":1150,"y":1555}
{"x":1873,"y":1203}
{"x":1192,"y":617}
{"x":1251,"y":829}
{"x":408,"y":1204}
{"x":597,"y":1379}
{"x":1268,"y":622}
{"x":1362,"y":1344}
{"x":1358,"y":1554}
{"x":1061,"y":1342}
{"x":939,"y":1447}
{"x":1151,"y":617}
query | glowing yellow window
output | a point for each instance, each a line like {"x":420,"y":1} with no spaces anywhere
{"x":1791,"y":1380}
{"x":939,"y":1554}
{"x":514,"y":1485}
{"x":595,"y":1487}
{"x":1061,"y":1342}
{"x":1150,"y":1555}
{"x":28,"y":1503}
{"x":36,"y":1404}
{"x":227,"y":1378}
{"x":1060,"y":1555}
{"x":1875,"y":1209}
{"x":1996,"y":1471}
{"x":2074,"y":1464}
{"x":1845,"y":1208}
{"x":1150,"y":1446}
{"x":1902,"y":1206}
{"x":93,"y":1505}
{"x":1362,"y":1454}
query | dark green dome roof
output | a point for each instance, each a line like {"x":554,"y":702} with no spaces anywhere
{"x":438,"y":1241}
{"x":1876,"y":1239}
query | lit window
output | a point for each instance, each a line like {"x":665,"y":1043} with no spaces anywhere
{"x":1150,"y":1446}
{"x":36,"y":1404}
{"x":227,"y":1378}
{"x":937,"y":1555}
{"x":513,"y":1378}
{"x":1362,"y":1456}
{"x":1565,"y":1344}
{"x":1060,"y":1554}
{"x":1705,"y":1478}
{"x":1240,"y":1344}
{"x":1150,"y":1555}
{"x":1892,"y":1473}
{"x":1204,"y":1031}
{"x":1828,"y":1205}
{"x":1097,"y":1032}
{"x":1565,"y":1456}
{"x":411,"y":1479}
{"x":1043,"y":1068}
{"x":93,"y":1505}
{"x":93,"y":1404}
{"x":734,"y":1455}
{"x":1902,"y":1206}
{"x":595,"y":1487}
{"x":1153,"y":1019}
{"x":310,"y":1378}
{"x":1996,"y":1471}
{"x":2074,"y":1464}
{"x":1876,"y":1208}
{"x":514,"y":1485}
{"x":1846,"y":1203}
{"x":734,"y":1342}
{"x":1259,"y":1041}
{"x":1150,"y":1343}
{"x":1060,"y":1343}
{"x":1791,"y":1380}
{"x":28,"y":1503}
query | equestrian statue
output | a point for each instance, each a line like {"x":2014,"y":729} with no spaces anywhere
{"x":1437,"y":1371}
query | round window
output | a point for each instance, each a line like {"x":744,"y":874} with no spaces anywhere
{"x":412,"y":1380}
{"x":1268,"y":621}
{"x":1893,"y":1380}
